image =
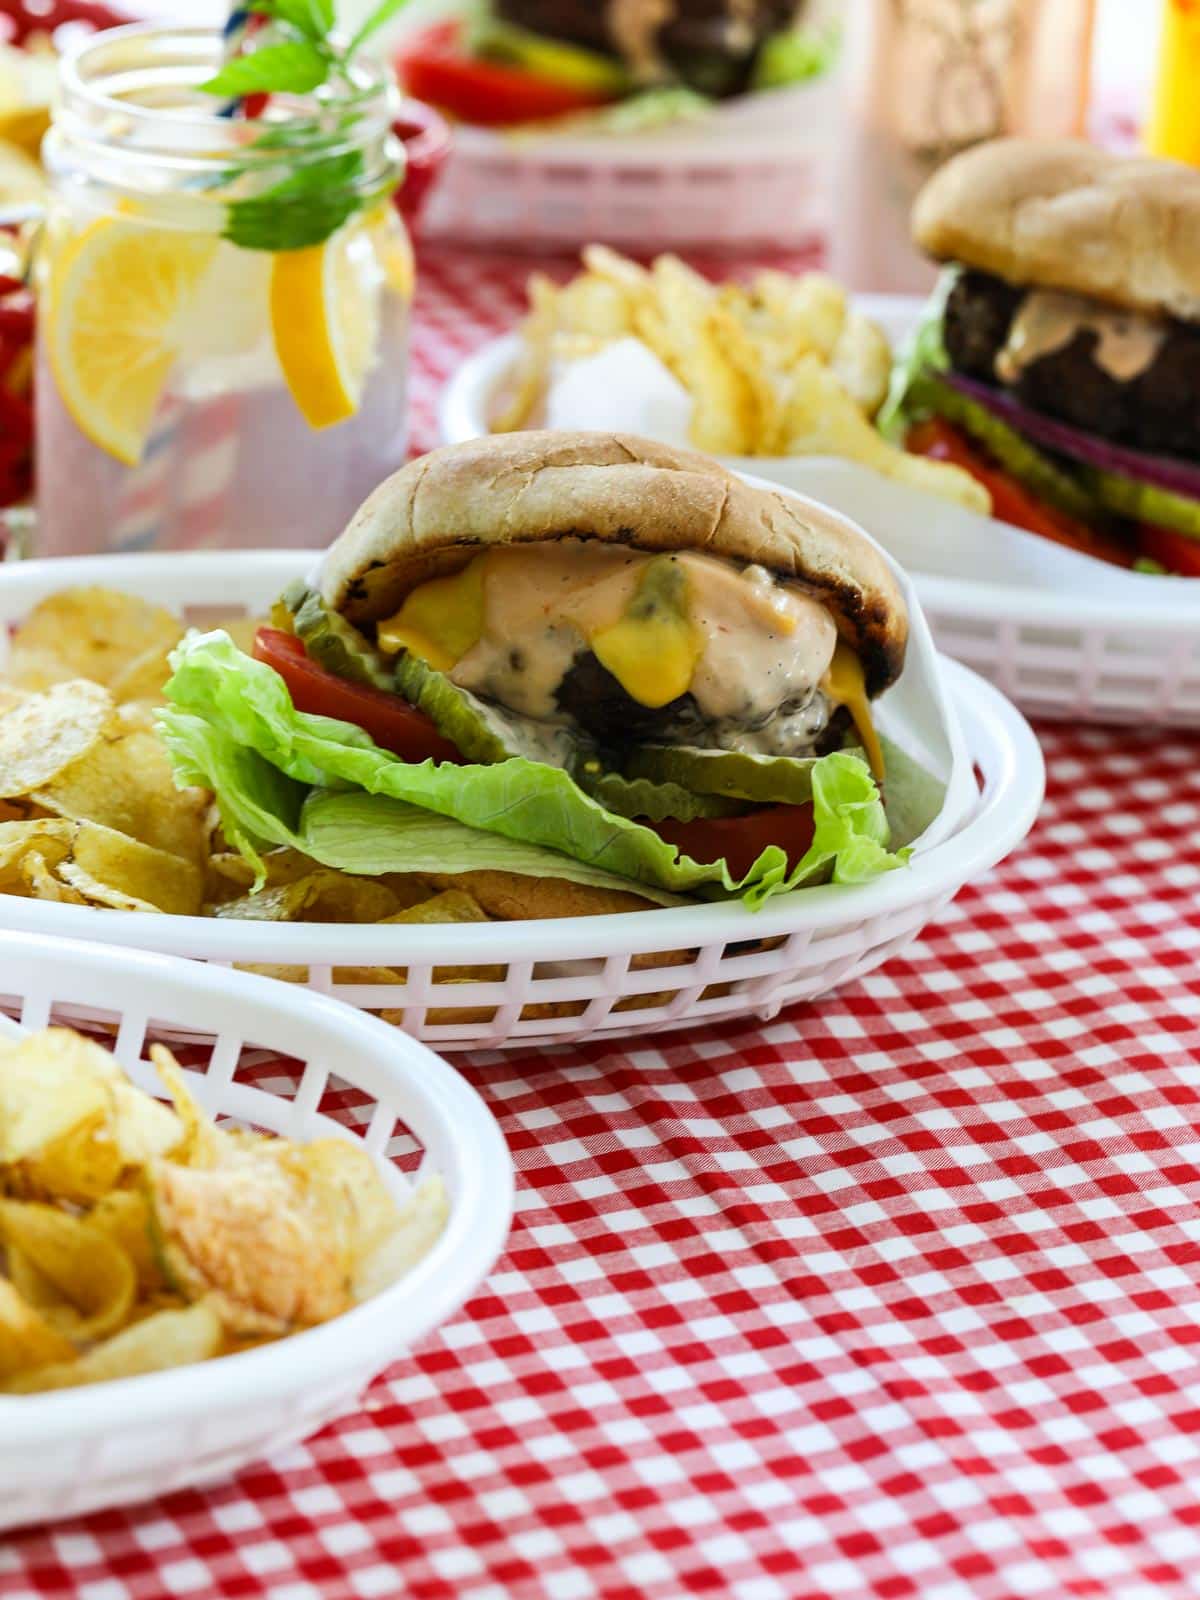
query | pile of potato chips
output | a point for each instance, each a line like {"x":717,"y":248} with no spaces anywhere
{"x":135,"y":1236}
{"x":89,"y":811}
{"x":781,"y":366}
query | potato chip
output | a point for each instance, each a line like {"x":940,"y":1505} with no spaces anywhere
{"x":80,"y":1281}
{"x":47,"y":732}
{"x":27,"y":1341}
{"x":70,"y":1121}
{"x":49,"y":837}
{"x":421,"y":1223}
{"x":123,"y":1216}
{"x":110,"y":869}
{"x":322,"y":895}
{"x":454,"y":905}
{"x":126,"y":782}
{"x":43,"y":885}
{"x":164,"y":1340}
{"x":92,"y":633}
{"x":202,"y":1143}
{"x":143,"y":678}
{"x":46,"y":1092}
{"x":245,"y":1236}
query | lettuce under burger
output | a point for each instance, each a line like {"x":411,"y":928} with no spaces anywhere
{"x":1060,"y":359}
{"x":576,"y":656}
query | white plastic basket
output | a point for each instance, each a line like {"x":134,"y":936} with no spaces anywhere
{"x":557,"y":981}
{"x":80,"y":1449}
{"x":755,"y":173}
{"x":1062,"y":634}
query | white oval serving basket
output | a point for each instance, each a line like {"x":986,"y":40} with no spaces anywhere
{"x":755,"y":172}
{"x":504,"y":984}
{"x":1063,"y":635}
{"x":65,"y":1453}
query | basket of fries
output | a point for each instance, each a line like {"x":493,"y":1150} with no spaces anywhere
{"x":185,"y":1287}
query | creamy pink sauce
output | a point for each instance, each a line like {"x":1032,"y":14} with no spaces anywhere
{"x":762,"y":645}
{"x":634,"y":27}
{"x":1048,"y":319}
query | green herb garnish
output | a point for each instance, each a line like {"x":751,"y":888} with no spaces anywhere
{"x":320,"y":186}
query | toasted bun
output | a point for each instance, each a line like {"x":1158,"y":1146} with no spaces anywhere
{"x":438,"y":512}
{"x":1062,"y":214}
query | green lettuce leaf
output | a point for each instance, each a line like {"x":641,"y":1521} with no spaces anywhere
{"x":356,"y":832}
{"x":247,"y":704}
{"x":924,"y":351}
{"x":797,"y":55}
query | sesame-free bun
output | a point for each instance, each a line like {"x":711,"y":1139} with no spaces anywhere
{"x":437,"y":513}
{"x":1061,"y":214}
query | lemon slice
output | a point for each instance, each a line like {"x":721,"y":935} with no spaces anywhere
{"x":325,"y":320}
{"x":118,"y":300}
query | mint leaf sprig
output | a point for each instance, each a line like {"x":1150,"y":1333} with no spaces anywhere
{"x":321,"y":186}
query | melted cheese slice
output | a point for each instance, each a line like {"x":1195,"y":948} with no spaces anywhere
{"x":651,"y":642}
{"x":439,"y":621}
{"x":845,"y":685}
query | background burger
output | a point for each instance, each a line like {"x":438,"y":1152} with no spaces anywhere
{"x":576,"y":656}
{"x":520,"y":61}
{"x":1060,"y":359}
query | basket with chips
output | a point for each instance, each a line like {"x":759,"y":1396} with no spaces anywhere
{"x":179,"y":1295}
{"x":107,"y":848}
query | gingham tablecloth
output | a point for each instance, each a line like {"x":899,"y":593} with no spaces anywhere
{"x":896,"y":1296}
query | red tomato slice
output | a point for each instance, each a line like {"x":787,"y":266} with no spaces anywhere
{"x":432,"y":67}
{"x":1172,"y":550}
{"x":1011,"y":501}
{"x":388,"y":718}
{"x":739,"y":841}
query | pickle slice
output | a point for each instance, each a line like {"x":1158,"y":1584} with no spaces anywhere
{"x":484,"y":732}
{"x":766,"y":780}
{"x":643,"y":798}
{"x":333,"y":643}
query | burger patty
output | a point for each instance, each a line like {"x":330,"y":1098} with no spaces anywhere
{"x":596,"y":701}
{"x":710,"y":44}
{"x":1158,"y":410}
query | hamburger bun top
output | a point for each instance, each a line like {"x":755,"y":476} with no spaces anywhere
{"x":1062,"y":214}
{"x":434,"y":515}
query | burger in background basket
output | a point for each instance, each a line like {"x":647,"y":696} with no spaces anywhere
{"x":1059,"y":361}
{"x":568,"y":673}
{"x":616,"y":65}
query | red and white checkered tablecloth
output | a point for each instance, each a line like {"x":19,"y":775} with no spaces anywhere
{"x":896,"y":1296}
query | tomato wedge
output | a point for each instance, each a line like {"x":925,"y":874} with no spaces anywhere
{"x":388,"y":718}
{"x":1011,"y":501}
{"x":739,"y":841}
{"x":432,"y":66}
{"x":1170,"y":549}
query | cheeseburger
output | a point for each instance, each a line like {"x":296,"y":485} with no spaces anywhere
{"x":528,"y":61}
{"x":1060,"y":361}
{"x":588,"y":643}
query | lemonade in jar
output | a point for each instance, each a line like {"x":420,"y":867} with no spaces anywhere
{"x":223,"y":287}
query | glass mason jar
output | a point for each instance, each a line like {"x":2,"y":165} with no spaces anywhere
{"x":192,"y":390}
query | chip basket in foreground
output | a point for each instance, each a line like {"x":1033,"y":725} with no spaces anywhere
{"x":346,"y":1076}
{"x":503,"y":984}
